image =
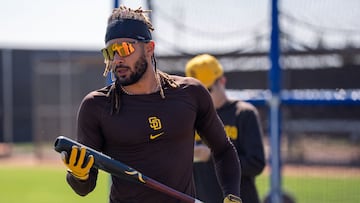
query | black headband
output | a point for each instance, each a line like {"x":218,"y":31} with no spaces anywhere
{"x":127,"y":28}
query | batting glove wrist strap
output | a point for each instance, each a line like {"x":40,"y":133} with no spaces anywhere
{"x":232,"y":199}
{"x":85,"y":177}
{"x":78,"y":166}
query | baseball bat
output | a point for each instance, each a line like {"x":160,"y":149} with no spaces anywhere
{"x":121,"y":170}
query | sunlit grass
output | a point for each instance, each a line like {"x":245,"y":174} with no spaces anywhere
{"x":307,"y":189}
{"x":44,"y":184}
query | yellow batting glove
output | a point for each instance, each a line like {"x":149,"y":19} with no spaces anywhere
{"x":232,"y":199}
{"x":75,"y":166}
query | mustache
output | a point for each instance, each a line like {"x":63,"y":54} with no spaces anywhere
{"x":120,"y":66}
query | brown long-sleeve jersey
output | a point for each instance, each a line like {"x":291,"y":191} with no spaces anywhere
{"x":156,"y":137}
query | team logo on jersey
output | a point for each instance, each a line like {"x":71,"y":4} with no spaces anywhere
{"x":154,"y":136}
{"x":231,"y":132}
{"x":197,"y":136}
{"x":155,"y":124}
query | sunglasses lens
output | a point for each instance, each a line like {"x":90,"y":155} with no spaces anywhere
{"x":124,"y":49}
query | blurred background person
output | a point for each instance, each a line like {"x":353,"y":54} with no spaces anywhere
{"x":242,"y":126}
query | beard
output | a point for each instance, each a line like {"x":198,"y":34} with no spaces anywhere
{"x":139,"y":70}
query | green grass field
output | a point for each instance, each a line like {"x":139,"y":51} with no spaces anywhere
{"x":307,"y":189}
{"x":47,"y":184}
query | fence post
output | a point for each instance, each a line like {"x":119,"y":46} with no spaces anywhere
{"x":274,"y":105}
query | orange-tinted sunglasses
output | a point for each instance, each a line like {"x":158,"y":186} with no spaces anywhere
{"x":122,"y":49}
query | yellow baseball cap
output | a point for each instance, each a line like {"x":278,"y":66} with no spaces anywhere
{"x":205,"y":68}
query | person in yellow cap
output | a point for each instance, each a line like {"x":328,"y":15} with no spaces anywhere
{"x":242,"y":125}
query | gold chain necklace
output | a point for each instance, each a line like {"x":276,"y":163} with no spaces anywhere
{"x":128,"y":93}
{"x":125,"y":91}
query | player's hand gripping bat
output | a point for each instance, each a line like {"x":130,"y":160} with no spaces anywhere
{"x":116,"y":168}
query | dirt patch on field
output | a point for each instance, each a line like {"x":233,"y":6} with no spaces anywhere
{"x":321,"y":171}
{"x":46,"y":156}
{"x":317,"y":171}
{"x":15,"y":156}
{"x":53,"y":159}
{"x":29,"y":160}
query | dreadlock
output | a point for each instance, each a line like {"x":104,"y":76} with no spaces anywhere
{"x":115,"y":92}
{"x":127,"y":13}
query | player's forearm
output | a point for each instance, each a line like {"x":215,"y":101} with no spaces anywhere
{"x":228,"y":170}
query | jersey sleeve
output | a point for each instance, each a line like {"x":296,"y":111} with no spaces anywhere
{"x":211,"y":130}
{"x":89,"y":134}
{"x":250,"y":152}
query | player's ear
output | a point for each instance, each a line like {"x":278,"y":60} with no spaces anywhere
{"x":149,"y":48}
{"x":222,"y":80}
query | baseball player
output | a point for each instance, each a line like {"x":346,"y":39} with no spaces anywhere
{"x":147,"y":119}
{"x":241,"y":123}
